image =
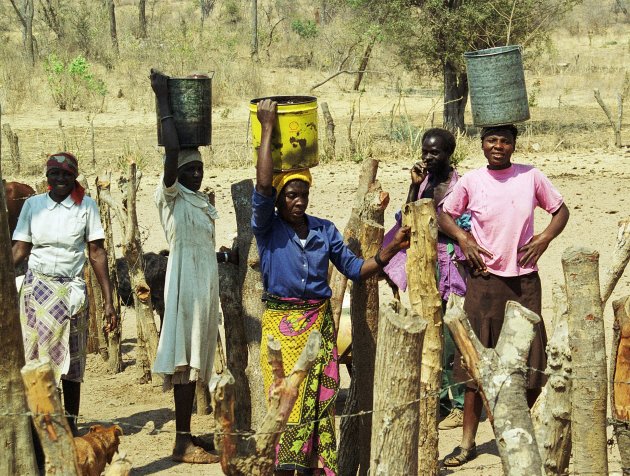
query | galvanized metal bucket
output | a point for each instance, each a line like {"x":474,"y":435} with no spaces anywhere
{"x":497,"y":86}
{"x":294,"y":138}
{"x":191,"y":106}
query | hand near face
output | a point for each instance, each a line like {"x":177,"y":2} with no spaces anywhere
{"x":418,"y":173}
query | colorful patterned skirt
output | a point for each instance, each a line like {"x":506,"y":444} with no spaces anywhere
{"x":54,"y":318}
{"x":309,"y":441}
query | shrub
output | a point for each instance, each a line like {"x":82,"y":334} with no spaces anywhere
{"x":72,"y":85}
{"x":304,"y":28}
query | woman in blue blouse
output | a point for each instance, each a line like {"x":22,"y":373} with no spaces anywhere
{"x":295,"y":250}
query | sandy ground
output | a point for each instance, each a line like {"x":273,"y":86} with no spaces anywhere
{"x":594,"y":184}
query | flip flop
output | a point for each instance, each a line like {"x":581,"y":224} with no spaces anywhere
{"x":196,"y":455}
{"x":460,"y":456}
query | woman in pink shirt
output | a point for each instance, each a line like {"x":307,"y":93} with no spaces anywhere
{"x":502,"y":250}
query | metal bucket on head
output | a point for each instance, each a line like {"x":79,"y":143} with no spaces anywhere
{"x":191,"y":106}
{"x":294,"y":137}
{"x":497,"y":86}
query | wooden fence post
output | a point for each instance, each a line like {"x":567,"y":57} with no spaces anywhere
{"x":395,"y":423}
{"x":426,"y":302}
{"x":588,"y":352}
{"x":49,"y":420}
{"x":551,"y":413}
{"x":620,"y":380}
{"x":15,"y":428}
{"x":620,"y":258}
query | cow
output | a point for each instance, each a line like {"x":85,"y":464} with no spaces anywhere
{"x":155,"y":275}
{"x":16,"y":194}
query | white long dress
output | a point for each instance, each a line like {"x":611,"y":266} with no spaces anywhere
{"x":191,"y":316}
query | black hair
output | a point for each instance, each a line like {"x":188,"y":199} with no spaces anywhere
{"x":447,"y":137}
{"x":511,"y":128}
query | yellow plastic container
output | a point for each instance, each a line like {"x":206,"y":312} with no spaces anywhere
{"x":294,"y":138}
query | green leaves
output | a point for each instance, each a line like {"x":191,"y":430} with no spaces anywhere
{"x":73,"y":85}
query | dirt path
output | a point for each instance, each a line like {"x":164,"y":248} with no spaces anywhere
{"x":594,"y":186}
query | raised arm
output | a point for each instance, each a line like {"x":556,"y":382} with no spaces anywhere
{"x":264,"y":168}
{"x":167,"y":122}
{"x":418,"y":174}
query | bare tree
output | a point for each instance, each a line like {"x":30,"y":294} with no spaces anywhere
{"x":25,"y":15}
{"x":254,"y":38}
{"x":142,"y":19}
{"x":111,"y":8}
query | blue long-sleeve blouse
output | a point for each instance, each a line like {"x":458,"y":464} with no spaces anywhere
{"x":290,"y":269}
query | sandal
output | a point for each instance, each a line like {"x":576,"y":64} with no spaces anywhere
{"x":207,"y":445}
{"x":460,"y":456}
{"x":196,"y":455}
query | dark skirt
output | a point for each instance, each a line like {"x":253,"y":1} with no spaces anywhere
{"x":486,"y":297}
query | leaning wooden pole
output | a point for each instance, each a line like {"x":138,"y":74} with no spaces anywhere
{"x":49,"y":420}
{"x":356,"y":432}
{"x":620,"y":258}
{"x":500,"y":374}
{"x":114,"y":361}
{"x":588,"y":352}
{"x":551,"y":414}
{"x":620,"y":380}
{"x":252,"y":306}
{"x":15,"y":430}
{"x":426,"y":302}
{"x":395,"y":422}
{"x":338,"y":282}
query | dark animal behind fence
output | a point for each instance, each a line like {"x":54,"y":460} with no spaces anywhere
{"x":155,"y":275}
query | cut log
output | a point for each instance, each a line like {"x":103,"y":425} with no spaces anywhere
{"x":395,"y":424}
{"x":114,"y":361}
{"x":120,"y":466}
{"x":620,"y":258}
{"x":588,"y":352}
{"x":356,"y":433}
{"x":620,"y":380}
{"x":49,"y":420}
{"x":500,"y":375}
{"x":251,"y":285}
{"x":15,"y":431}
{"x":282,"y":396}
{"x":425,"y":301}
{"x":551,"y":413}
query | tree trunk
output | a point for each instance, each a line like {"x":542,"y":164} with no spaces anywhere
{"x":29,"y":41}
{"x":338,"y":282}
{"x":114,"y":361}
{"x":356,"y":432}
{"x":588,"y":353}
{"x":111,"y":8}
{"x":551,"y":414}
{"x":15,"y":431}
{"x":329,"y":145}
{"x":396,"y":422}
{"x":97,"y":343}
{"x":53,"y":431}
{"x":254,"y":26}
{"x":250,"y":283}
{"x":455,"y":98}
{"x":620,"y":258}
{"x":142,"y":19}
{"x":14,"y":147}
{"x":426,"y":302}
{"x":620,"y":380}
{"x":235,"y":342}
{"x":364,"y":62}
{"x":500,"y":375}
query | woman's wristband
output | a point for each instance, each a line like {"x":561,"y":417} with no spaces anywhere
{"x":379,"y":261}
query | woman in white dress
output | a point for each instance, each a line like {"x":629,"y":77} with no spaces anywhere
{"x":189,"y":334}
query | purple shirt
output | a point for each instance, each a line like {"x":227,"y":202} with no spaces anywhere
{"x":291,"y":270}
{"x":450,"y":262}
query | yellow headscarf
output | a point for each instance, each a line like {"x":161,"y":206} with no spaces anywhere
{"x":281,"y":179}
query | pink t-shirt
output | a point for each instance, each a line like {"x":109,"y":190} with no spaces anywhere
{"x":502,"y":204}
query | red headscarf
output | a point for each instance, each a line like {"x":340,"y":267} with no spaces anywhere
{"x":68,"y":162}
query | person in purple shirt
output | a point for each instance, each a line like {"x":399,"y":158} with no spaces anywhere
{"x":295,"y":250}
